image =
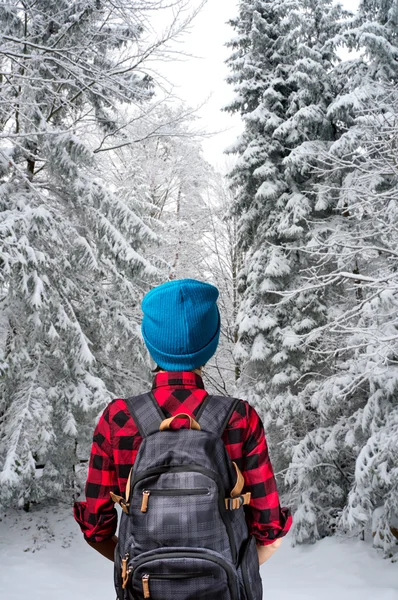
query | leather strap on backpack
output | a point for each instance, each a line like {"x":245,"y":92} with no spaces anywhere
{"x":123,"y":502}
{"x":167,"y":422}
{"x":237,"y":499}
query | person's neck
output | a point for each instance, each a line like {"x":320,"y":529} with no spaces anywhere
{"x":197,"y":371}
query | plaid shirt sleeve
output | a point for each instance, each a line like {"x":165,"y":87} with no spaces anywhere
{"x":267,"y":521}
{"x":97,"y":516}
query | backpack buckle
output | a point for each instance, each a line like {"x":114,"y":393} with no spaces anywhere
{"x":237,"y":502}
{"x":121,"y":501}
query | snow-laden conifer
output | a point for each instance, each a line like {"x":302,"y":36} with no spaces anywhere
{"x":357,"y":402}
{"x":72,"y":266}
{"x":354,"y":445}
{"x":282,"y":71}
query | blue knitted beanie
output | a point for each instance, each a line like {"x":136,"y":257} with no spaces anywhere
{"x":181,"y":324}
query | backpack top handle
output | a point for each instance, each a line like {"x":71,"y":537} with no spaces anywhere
{"x":167,"y":422}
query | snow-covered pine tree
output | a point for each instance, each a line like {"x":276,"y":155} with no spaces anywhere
{"x":72,"y":270}
{"x":282,"y":72}
{"x":358,"y":405}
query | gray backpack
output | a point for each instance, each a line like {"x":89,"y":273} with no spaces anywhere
{"x":183,"y":533}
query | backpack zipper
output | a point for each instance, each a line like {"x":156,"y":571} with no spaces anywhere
{"x":176,"y":575}
{"x":171,"y":492}
{"x":146,"y":577}
{"x":145,"y":586}
{"x":145,"y":500}
{"x":125,"y":571}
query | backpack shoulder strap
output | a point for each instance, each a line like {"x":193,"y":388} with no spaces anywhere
{"x":146,"y":413}
{"x":215,"y":412}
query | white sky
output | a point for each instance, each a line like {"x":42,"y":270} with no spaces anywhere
{"x":202,"y":75}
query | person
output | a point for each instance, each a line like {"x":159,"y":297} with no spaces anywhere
{"x":181,"y":329}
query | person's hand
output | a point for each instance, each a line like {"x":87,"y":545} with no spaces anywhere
{"x":106,"y":548}
{"x":265,"y":552}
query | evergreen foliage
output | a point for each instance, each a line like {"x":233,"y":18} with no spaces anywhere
{"x":358,"y":402}
{"x":315,"y":193}
{"x":283,"y":74}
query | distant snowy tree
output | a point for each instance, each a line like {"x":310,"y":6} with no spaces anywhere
{"x":167,"y":156}
{"x":187,"y":200}
{"x":221,"y":262}
{"x":72,"y":264}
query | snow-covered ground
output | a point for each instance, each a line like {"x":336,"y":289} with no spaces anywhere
{"x":43,"y":557}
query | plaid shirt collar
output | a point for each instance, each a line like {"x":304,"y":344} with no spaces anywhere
{"x":183,"y":379}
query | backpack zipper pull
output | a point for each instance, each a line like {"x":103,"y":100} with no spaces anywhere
{"x":145,"y":499}
{"x":145,"y":586}
{"x":125,"y":572}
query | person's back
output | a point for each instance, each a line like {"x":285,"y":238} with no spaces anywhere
{"x":181,"y":328}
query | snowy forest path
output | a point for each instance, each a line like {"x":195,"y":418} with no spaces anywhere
{"x":43,"y":555}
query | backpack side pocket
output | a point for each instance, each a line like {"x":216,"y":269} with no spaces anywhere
{"x":249,"y":572}
{"x":118,"y":574}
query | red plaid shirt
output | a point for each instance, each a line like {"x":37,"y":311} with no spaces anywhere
{"x":116,"y":443}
